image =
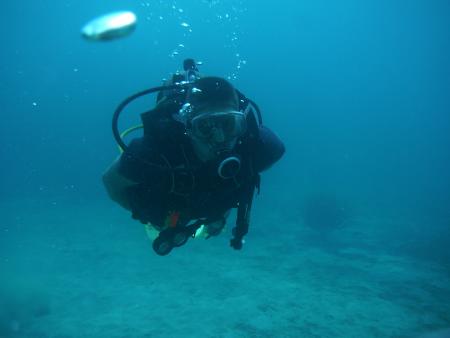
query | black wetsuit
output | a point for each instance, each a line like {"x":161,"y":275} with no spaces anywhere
{"x":171,"y":178}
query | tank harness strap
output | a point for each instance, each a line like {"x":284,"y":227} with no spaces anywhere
{"x":244,"y":209}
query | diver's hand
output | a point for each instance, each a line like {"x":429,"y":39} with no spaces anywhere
{"x":237,"y":243}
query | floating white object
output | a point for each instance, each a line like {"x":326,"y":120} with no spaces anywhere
{"x":110,"y":26}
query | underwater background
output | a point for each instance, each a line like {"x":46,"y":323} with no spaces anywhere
{"x":350,"y":235}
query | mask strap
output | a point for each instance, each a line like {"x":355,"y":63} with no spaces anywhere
{"x":251,"y":111}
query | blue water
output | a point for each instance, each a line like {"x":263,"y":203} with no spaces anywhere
{"x":359,"y":93}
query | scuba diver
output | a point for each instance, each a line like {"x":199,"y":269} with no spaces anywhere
{"x":201,"y":154}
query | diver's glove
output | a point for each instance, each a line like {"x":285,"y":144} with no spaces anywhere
{"x":238,"y":238}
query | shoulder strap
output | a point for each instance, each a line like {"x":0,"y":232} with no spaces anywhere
{"x":243,"y":214}
{"x":245,"y":203}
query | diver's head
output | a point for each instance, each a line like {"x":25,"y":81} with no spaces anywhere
{"x":214,"y":122}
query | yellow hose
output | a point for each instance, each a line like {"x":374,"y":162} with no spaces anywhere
{"x":129,"y":130}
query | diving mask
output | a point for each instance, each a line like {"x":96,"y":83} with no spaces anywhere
{"x":218,"y":127}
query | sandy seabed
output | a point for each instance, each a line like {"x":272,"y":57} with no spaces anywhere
{"x":89,"y":271}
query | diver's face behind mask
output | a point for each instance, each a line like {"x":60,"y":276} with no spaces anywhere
{"x":216,"y":132}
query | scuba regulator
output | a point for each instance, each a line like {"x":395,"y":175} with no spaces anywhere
{"x":178,"y":87}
